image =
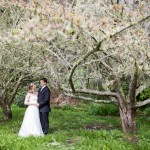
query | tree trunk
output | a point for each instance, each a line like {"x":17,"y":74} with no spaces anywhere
{"x":6,"y":101}
{"x":127,"y":115}
{"x":131,"y":113}
{"x":7,"y":112}
{"x":128,"y":119}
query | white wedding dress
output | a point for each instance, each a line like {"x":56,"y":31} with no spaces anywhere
{"x":31,"y":125}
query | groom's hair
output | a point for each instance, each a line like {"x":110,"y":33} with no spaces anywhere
{"x":44,"y":79}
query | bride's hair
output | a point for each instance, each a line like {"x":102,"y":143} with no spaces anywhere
{"x":30,"y":87}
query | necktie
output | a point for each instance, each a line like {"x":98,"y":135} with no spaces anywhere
{"x":41,"y":89}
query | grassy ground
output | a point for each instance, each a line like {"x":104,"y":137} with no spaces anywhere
{"x":75,"y":130}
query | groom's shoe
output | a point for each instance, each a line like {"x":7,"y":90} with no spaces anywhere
{"x":45,"y":133}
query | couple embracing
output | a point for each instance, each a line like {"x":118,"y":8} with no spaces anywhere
{"x":35,"y":122}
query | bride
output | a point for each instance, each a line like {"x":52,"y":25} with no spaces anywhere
{"x":31,"y":125}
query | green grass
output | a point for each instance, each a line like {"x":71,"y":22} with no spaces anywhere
{"x":68,"y":131}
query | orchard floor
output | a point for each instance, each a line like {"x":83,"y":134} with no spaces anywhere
{"x":75,"y":130}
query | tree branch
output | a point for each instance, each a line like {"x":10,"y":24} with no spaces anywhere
{"x":79,"y":62}
{"x":143,"y":103}
{"x":74,"y":3}
{"x":90,"y":99}
{"x":6,"y":85}
{"x":106,"y":66}
{"x":16,"y":89}
{"x":133,"y":86}
{"x":112,"y":2}
{"x":142,"y":88}
{"x":93,"y":92}
{"x":97,"y":48}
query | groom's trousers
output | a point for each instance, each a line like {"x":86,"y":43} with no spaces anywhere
{"x":44,"y":121}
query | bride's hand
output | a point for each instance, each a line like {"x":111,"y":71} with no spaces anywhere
{"x":37,"y":104}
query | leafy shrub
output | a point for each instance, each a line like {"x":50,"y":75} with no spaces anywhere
{"x":94,"y":109}
{"x":65,"y":107}
{"x":56,"y":107}
{"x":68,"y":107}
{"x":144,"y":95}
{"x":141,"y":97}
{"x":146,"y":111}
{"x":103,"y":109}
{"x":19,"y":99}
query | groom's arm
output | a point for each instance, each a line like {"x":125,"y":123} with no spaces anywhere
{"x":46,"y":99}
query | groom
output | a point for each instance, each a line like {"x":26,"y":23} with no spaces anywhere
{"x":44,"y":104}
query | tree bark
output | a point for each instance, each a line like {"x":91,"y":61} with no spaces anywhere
{"x":7,"y":112}
{"x":127,"y":117}
{"x":131,"y":112}
{"x":126,"y":107}
{"x":6,"y":101}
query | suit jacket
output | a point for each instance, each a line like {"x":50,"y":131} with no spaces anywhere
{"x":44,"y":99}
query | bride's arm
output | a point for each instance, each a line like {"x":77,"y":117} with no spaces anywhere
{"x":27,"y":102}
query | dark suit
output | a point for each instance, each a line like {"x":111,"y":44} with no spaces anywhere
{"x":44,"y":107}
